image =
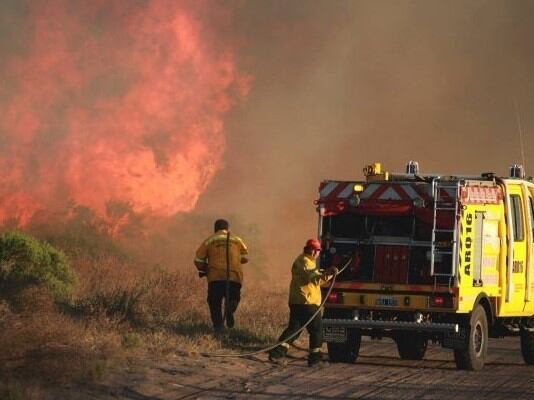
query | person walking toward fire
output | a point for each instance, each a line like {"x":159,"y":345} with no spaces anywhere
{"x":304,"y":302}
{"x":219,"y":258}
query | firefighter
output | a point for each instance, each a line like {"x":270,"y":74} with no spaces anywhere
{"x":223,"y":271}
{"x":304,"y":302}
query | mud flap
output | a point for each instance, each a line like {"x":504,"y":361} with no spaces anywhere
{"x":335,"y":334}
{"x":456,"y":340}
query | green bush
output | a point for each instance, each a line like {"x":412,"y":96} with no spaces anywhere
{"x":26,"y":261}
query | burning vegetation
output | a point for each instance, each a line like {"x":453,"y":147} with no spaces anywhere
{"x":112,"y":117}
{"x":115,"y":103}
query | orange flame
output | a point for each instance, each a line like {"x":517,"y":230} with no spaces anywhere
{"x":116,"y":101}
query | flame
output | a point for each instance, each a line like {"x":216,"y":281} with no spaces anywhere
{"x":116,"y":101}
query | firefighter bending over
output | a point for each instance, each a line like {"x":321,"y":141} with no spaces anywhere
{"x":304,"y":301}
{"x":222,"y":269}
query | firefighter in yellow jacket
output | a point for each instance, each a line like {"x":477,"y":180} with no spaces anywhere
{"x":304,"y":302}
{"x":219,"y":258}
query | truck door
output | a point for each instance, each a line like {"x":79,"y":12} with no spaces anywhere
{"x":516,"y":303}
{"x":530,"y":255}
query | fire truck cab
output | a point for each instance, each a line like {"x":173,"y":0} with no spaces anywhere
{"x":429,"y":257}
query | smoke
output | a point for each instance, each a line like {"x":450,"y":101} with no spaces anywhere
{"x":135,"y":106}
{"x":340,"y":84}
{"x":113,"y":102}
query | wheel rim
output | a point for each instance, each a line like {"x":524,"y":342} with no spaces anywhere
{"x":478,"y":339}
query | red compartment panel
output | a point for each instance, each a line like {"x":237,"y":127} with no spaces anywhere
{"x":391,"y":264}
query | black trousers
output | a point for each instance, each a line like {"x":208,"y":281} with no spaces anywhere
{"x":216,"y":293}
{"x":299,"y":314}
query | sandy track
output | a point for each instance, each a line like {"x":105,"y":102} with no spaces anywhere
{"x":379,"y":374}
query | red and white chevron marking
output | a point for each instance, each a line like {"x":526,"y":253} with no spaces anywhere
{"x":335,"y":191}
{"x":331,"y":191}
{"x":481,"y":195}
{"x":394,"y":191}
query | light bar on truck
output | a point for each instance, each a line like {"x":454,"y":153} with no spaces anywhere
{"x":412,"y":167}
{"x":517,"y":171}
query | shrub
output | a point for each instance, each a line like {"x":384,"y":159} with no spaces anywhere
{"x":26,"y":261}
{"x":120,"y":303}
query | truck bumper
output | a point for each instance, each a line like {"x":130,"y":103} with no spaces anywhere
{"x":332,"y":325}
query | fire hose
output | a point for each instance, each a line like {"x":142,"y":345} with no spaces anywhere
{"x":253,"y":353}
{"x":227,"y":288}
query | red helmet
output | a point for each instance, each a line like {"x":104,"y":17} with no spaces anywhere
{"x":313,"y":244}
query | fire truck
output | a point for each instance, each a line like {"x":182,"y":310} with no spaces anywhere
{"x":446,"y":259}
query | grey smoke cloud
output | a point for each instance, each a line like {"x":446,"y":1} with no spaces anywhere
{"x":339,"y":84}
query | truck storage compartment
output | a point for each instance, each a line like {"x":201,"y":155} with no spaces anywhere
{"x":391,"y":264}
{"x":384,"y":248}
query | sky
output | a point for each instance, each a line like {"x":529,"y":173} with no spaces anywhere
{"x":261,"y":101}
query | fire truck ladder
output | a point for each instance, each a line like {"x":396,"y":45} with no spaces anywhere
{"x":444,"y":203}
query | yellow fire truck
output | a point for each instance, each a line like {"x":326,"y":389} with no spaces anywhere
{"x":441,"y":258}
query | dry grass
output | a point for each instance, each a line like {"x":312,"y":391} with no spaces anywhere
{"x":122,"y":309}
{"x":168,"y":308}
{"x":39,"y":344}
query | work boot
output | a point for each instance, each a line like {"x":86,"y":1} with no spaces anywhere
{"x":230,"y":321}
{"x":318,"y":364}
{"x":282,"y":361}
{"x":316,"y":360}
{"x":218,"y":329}
{"x":278,"y":355}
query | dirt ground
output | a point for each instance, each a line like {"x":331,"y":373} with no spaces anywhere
{"x":378,"y":374}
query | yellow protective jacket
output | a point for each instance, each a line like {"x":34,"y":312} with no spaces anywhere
{"x":306,"y":281}
{"x":212,"y":255}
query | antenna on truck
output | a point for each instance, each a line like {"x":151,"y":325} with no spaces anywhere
{"x":521,"y":144}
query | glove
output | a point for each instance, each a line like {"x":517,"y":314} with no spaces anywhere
{"x":202,"y":269}
{"x":332,"y":271}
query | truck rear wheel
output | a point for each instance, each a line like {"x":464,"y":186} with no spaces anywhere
{"x":411,"y":345}
{"x":346,"y":352}
{"x":527,"y":346}
{"x":474,"y":356}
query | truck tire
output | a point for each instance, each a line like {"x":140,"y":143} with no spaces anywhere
{"x":411,"y":345}
{"x":473,"y":357}
{"x":527,"y":346}
{"x":346,"y":352}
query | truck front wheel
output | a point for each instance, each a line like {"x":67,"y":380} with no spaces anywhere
{"x":527,"y":346}
{"x":474,"y":356}
{"x":411,"y":345}
{"x":346,"y":352}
